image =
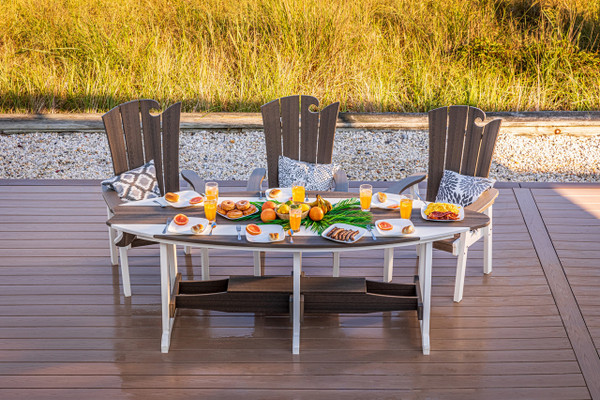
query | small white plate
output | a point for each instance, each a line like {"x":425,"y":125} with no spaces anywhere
{"x":186,"y":229}
{"x":397,"y":225}
{"x":283,"y":196}
{"x":184,"y":199}
{"x":361,"y":232}
{"x":461,"y":215}
{"x":392,"y":200}
{"x":263,"y":236}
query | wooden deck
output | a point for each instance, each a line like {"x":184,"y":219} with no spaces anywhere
{"x":531,"y":330}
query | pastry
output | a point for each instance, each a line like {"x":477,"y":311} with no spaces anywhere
{"x":408,"y":229}
{"x":382,"y":197}
{"x":250,"y":210}
{"x":274,"y":236}
{"x":197,"y":228}
{"x":227,"y":205}
{"x":172,"y":197}
{"x":242,"y":205}
{"x":220,"y":210}
{"x":274,"y":193}
{"x":234,"y":214}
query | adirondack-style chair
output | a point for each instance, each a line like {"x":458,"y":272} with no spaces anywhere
{"x":135,"y":137}
{"x":459,"y":141}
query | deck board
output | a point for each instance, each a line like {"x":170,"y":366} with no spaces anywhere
{"x":67,"y":332}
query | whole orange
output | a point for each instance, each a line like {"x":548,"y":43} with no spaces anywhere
{"x":268,"y":215}
{"x":316,"y":214}
{"x":268,"y":205}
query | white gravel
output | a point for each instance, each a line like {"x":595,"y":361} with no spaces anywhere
{"x":364,"y":155}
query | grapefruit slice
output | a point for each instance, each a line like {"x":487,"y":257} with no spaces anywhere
{"x":253,"y":229}
{"x":181,"y":219}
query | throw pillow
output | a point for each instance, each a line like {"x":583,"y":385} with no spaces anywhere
{"x":461,"y":189}
{"x":138,"y":184}
{"x":314,"y":176}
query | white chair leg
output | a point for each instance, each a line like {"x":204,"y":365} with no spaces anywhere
{"x":388,"y":264}
{"x":487,"y":244}
{"x":125,"y":270}
{"x":257,"y":265}
{"x":336,"y":264}
{"x":461,"y":266}
{"x":187,"y":250}
{"x":172,"y":259}
{"x":205,"y":262}
{"x":112,"y":237}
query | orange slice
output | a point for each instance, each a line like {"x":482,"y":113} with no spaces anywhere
{"x":197,"y":200}
{"x":181,"y":219}
{"x":385,"y":226}
{"x":253,"y":229}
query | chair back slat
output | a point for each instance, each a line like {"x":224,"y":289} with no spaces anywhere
{"x":130,"y":114}
{"x":272,"y":127}
{"x":290,"y":107}
{"x":152,"y":139}
{"x":438,"y":122}
{"x":488,"y":144}
{"x":457,"y":122}
{"x":309,"y":124}
{"x":327,"y":123}
{"x":472,"y":141}
{"x":116,"y":140}
{"x":170,"y":139}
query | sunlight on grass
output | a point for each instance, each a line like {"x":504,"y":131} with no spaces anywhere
{"x":373,"y":55}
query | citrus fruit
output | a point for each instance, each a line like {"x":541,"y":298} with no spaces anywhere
{"x":181,"y":219}
{"x":253,"y":229}
{"x":268,"y":205}
{"x":268,"y":215}
{"x":197,"y":200}
{"x":316,"y":214}
{"x":384,"y":226}
{"x":283,"y":209}
{"x":305,"y":207}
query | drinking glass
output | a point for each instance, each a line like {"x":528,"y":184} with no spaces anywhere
{"x":298,"y":192}
{"x":210,"y":210}
{"x":366,"y":193}
{"x":295,"y":217}
{"x":406,"y":204}
{"x":211,"y":190}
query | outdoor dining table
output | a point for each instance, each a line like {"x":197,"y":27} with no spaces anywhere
{"x":148,"y":222}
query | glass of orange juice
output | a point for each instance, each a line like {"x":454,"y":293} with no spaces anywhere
{"x":366,"y":193}
{"x":298,"y":192}
{"x":406,"y":204}
{"x":211,"y":190}
{"x":210,"y":210}
{"x":295,"y":217}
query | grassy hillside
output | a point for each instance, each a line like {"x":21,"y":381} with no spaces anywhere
{"x":372,"y":55}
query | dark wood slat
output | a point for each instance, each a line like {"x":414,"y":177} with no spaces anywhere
{"x":488,"y":144}
{"x":130,"y":114}
{"x":457,"y":124}
{"x":116,"y":140}
{"x":170,"y":139}
{"x":290,"y":126}
{"x":152,"y":139}
{"x":473,"y":138}
{"x":272,"y":128}
{"x":438,"y":120}
{"x":327,"y":123}
{"x":309,"y":126}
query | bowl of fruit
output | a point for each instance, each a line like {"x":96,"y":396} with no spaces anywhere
{"x":283,"y":210}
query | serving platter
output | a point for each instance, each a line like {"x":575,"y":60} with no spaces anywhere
{"x":361,"y":232}
{"x":461,"y":215}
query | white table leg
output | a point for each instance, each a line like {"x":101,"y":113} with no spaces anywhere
{"x":461,"y":267}
{"x":172,"y":254}
{"x":421,"y":254}
{"x":165,"y":295}
{"x":487,"y":244}
{"x":296,"y":303}
{"x":205,"y":262}
{"x":257,"y":266}
{"x":112,"y":237}
{"x":336,"y":264}
{"x":125,"y":270}
{"x":425,"y":278}
{"x":187,"y":250}
{"x":388,"y":264}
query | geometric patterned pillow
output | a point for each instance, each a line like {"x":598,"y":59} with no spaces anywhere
{"x":461,"y":189}
{"x":314,"y":176}
{"x":138,"y":184}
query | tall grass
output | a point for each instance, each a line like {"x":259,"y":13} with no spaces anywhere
{"x":372,"y":55}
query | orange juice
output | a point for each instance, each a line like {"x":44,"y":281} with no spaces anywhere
{"x":210,"y":209}
{"x":298,"y":193}
{"x":211,"y":190}
{"x":406,"y":207}
{"x":295,"y":218}
{"x":366,"y":193}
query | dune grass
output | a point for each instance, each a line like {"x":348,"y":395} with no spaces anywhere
{"x":372,"y":55}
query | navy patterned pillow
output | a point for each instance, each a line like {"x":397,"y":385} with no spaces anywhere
{"x":314,"y":176}
{"x":461,"y":189}
{"x":138,"y":184}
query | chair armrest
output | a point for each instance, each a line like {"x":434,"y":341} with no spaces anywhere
{"x":402,"y":185}
{"x":255,"y":180}
{"x":485,"y":200}
{"x":193,"y":179}
{"x":111,"y":198}
{"x":341,"y":181}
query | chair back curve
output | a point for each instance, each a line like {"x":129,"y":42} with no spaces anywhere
{"x":293,"y":130}
{"x":459,"y":141}
{"x":135,"y":137}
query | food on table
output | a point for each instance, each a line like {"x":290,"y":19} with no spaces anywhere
{"x":197,"y":228}
{"x":408,"y":229}
{"x":250,"y":210}
{"x":227,"y":205}
{"x":172,"y":197}
{"x":234,"y":214}
{"x":394,"y":206}
{"x":268,"y":215}
{"x":382,"y":197}
{"x":384,"y":226}
{"x":242,"y":205}
{"x":269,"y":205}
{"x":322,"y":204}
{"x":283,"y":209}
{"x":253,"y":229}
{"x":181,"y":219}
{"x":274,"y":193}
{"x":274,"y":236}
{"x":305,"y":207}
{"x":442,"y":211}
{"x":343,"y":235}
{"x":316,"y":214}
{"x":196,"y":200}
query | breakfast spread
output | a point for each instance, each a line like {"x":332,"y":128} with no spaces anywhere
{"x":274,"y":193}
{"x":442,"y":211}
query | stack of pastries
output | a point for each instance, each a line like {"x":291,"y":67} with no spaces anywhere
{"x":236,"y":210}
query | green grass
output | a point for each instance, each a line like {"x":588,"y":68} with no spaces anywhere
{"x":372,"y":55}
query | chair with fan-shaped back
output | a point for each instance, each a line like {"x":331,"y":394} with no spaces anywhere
{"x":136,"y":137}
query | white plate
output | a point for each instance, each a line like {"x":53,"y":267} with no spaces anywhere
{"x":284,"y":196}
{"x":397,"y":225}
{"x":461,"y":215}
{"x":184,"y":199}
{"x":263,"y":236}
{"x":186,"y":229}
{"x":392,"y":200}
{"x":233,"y":219}
{"x":361,"y":232}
